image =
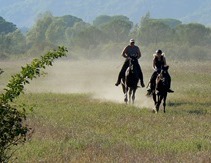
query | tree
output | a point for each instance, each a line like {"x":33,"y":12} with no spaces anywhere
{"x":56,"y":30}
{"x":154,"y":31}
{"x":71,"y":33}
{"x":17,"y":44}
{"x":6,"y":27}
{"x":37,"y":34}
{"x":172,"y":23}
{"x":88,"y":36}
{"x":121,"y":17}
{"x":193,"y":34}
{"x":12,"y":44}
{"x":100,"y":20}
{"x":117,"y":29}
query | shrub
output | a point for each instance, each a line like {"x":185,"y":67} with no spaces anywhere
{"x":13,"y":131}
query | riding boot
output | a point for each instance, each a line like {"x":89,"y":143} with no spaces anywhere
{"x":141,"y":79}
{"x":170,"y":91}
{"x":118,"y":80}
{"x":141,"y":76}
{"x":150,"y":90}
{"x":142,"y":83}
{"x":152,"y":87}
{"x":122,"y":72}
{"x":169,"y":84}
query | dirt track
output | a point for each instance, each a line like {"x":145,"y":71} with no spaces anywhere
{"x":95,"y":77}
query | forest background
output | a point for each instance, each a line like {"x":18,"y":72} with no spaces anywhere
{"x":30,"y":28}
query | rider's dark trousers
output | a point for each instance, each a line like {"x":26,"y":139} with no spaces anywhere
{"x":124,"y":68}
{"x":153,"y":79}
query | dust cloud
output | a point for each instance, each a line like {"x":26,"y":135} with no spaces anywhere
{"x":94,"y":77}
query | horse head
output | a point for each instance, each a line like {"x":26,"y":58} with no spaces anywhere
{"x":132,"y":65}
{"x":165,"y":68}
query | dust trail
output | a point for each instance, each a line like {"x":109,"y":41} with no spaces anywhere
{"x":95,"y":77}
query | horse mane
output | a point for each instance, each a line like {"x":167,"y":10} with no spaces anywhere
{"x":165,"y":67}
{"x":159,"y":77}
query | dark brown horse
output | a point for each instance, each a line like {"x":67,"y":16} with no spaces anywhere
{"x":161,"y":89}
{"x":130,"y":80}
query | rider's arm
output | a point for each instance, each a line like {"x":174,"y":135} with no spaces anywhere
{"x":124,"y":54}
{"x":153,"y":64}
{"x":164,"y":60}
{"x":139,"y":53}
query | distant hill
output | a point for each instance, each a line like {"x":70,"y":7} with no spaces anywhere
{"x":25,"y":12}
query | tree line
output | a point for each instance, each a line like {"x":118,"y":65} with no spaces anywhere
{"x":105,"y":37}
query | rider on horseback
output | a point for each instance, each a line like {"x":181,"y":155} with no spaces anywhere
{"x":131,"y":51}
{"x":159,"y":61}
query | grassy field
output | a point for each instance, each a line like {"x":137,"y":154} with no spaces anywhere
{"x":79,"y":116}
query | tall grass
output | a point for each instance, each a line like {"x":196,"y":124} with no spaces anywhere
{"x":77,"y":128}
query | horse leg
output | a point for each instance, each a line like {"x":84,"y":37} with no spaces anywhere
{"x":126,"y":100}
{"x":126,"y":90}
{"x":157,"y":106}
{"x":164,"y":103}
{"x":160,"y":98}
{"x":133,"y":96}
{"x":123,"y":88}
{"x":130,"y":93}
{"x":155,"y":102}
{"x":154,"y":98}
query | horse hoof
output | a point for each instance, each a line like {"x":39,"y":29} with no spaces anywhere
{"x":154,"y":111}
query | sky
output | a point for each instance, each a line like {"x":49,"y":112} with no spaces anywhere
{"x":25,"y":12}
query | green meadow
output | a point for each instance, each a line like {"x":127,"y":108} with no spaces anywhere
{"x":78,"y":115}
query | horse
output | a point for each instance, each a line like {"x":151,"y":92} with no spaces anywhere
{"x":130,"y":80}
{"x":161,"y":89}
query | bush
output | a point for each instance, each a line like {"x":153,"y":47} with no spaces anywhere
{"x":12,"y":128}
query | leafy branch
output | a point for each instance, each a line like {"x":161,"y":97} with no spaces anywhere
{"x":12,"y":129}
{"x":15,"y":86}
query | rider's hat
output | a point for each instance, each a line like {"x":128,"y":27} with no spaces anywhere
{"x":132,"y":40}
{"x":158,"y":51}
